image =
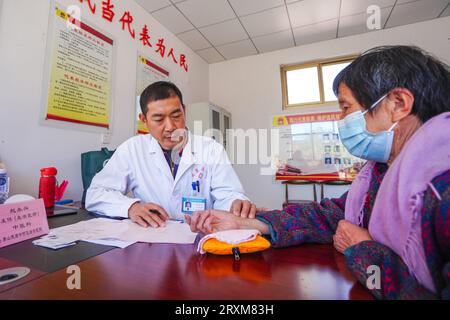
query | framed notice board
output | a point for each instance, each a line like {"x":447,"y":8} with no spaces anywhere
{"x":310,"y":143}
{"x":77,"y":87}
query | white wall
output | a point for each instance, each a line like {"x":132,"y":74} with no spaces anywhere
{"x":250,"y":88}
{"x":25,"y":145}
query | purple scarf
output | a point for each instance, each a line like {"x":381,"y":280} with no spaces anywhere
{"x":396,"y":216}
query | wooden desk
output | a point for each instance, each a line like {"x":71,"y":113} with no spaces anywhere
{"x":168,"y":271}
{"x":288,"y":183}
{"x":46,"y":260}
{"x":34,"y":274}
{"x":331,"y":179}
{"x":320,"y":177}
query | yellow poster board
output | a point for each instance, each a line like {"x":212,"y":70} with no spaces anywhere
{"x":78,"y":87}
{"x":311,"y":144}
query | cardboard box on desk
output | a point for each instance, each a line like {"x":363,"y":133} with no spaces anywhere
{"x":21,"y":221}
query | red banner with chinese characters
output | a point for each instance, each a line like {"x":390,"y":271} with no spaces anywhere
{"x":305,"y":118}
{"x":107,"y":10}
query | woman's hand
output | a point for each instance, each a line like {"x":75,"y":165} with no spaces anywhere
{"x":210,"y":221}
{"x":348,"y":234}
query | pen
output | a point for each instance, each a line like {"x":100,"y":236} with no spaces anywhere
{"x":159,"y":214}
{"x":63,"y":202}
{"x":154,"y":211}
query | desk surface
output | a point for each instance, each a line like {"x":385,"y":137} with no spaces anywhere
{"x":169,"y":271}
{"x":47,"y":260}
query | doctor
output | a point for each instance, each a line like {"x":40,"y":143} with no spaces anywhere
{"x":166,"y":169}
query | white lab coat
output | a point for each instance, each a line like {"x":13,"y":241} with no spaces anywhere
{"x":139,"y":166}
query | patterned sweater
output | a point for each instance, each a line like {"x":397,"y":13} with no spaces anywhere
{"x":317,"y":223}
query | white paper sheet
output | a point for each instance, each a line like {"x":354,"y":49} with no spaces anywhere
{"x":55,"y":242}
{"x":173,"y":232}
{"x":92,"y":229}
{"x":118,"y":233}
{"x":113,"y":242}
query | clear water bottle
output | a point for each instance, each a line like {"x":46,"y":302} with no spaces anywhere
{"x":4,"y":183}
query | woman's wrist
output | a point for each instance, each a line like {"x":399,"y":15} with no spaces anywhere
{"x":245,"y":223}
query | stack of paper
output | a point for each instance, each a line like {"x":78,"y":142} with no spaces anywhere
{"x":117,"y":233}
{"x":173,"y":232}
{"x":113,"y":242}
{"x":55,"y":242}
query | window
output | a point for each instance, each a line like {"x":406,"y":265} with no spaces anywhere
{"x":311,"y":84}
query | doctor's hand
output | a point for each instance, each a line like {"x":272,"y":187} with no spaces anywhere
{"x":140,"y":214}
{"x":210,"y":221}
{"x":243,"y":208}
{"x":348,"y":234}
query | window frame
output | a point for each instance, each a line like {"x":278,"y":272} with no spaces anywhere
{"x":319,"y":64}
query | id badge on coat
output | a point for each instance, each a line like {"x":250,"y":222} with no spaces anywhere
{"x":191,"y":204}
{"x":194,"y":202}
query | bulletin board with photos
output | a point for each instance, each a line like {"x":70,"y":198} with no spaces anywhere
{"x":310,"y":145}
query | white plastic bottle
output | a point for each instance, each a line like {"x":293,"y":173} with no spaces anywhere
{"x":4,"y":183}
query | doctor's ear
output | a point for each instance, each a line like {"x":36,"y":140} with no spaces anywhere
{"x":142,"y":117}
{"x":403,"y":102}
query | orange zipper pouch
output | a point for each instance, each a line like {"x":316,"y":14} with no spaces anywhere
{"x":235,"y":242}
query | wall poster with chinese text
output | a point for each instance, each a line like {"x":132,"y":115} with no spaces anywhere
{"x":309,"y":144}
{"x":80,"y":63}
{"x":147,"y":73}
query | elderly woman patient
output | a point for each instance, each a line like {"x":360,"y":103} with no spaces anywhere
{"x":395,"y":104}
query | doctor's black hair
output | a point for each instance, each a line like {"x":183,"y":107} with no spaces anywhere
{"x":382,"y":69}
{"x":159,"y":91}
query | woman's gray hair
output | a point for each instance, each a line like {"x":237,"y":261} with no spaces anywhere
{"x":382,"y":69}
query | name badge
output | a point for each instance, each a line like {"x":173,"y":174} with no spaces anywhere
{"x":191,"y":204}
{"x":21,"y":221}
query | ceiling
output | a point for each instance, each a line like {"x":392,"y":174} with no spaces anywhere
{"x":219,"y":30}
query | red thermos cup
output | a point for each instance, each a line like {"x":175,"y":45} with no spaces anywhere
{"x":47,"y":186}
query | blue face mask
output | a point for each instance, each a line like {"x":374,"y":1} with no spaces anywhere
{"x":359,"y":142}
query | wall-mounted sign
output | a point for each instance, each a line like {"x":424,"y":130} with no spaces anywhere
{"x":80,"y":63}
{"x":108,"y":11}
{"x":310,"y":144}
